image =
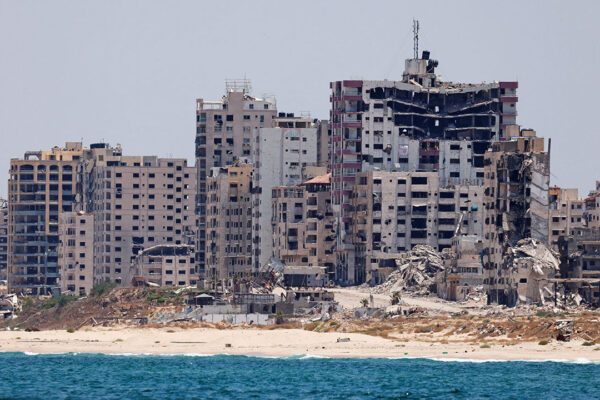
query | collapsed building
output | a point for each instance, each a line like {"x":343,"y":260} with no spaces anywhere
{"x":463,"y":273}
{"x":419,"y":123}
{"x":392,"y":212}
{"x":517,"y":175}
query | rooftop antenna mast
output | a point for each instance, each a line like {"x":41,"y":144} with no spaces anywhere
{"x":416,"y":37}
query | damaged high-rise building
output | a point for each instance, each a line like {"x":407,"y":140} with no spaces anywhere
{"x":517,"y":177}
{"x":419,"y":123}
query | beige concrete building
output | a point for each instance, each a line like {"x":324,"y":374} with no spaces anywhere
{"x":517,"y":176}
{"x":3,"y":238}
{"x":137,"y":202}
{"x":229,"y":221}
{"x":75,"y":252}
{"x":224,"y":133}
{"x":165,"y":265}
{"x":592,"y":208}
{"x":566,"y":212}
{"x":303,"y":224}
{"x":394,"y":211}
{"x":280,"y":155}
{"x":41,"y":186}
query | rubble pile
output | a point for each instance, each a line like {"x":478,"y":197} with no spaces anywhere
{"x":536,"y":255}
{"x":532,"y":260}
{"x":415,"y":273}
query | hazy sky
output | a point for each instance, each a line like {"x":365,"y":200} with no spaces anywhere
{"x":129,"y":71}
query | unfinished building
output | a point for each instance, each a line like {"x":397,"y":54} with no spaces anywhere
{"x":394,"y":211}
{"x":303,"y":224}
{"x":229,"y":221}
{"x":165,"y":265}
{"x":517,"y":176}
{"x":417,"y":124}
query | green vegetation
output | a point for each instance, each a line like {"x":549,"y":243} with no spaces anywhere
{"x":364,"y":302}
{"x":485,"y":346}
{"x":59,"y":301}
{"x":589,"y":343}
{"x":100,"y":289}
{"x":71,"y":330}
{"x":543,"y":342}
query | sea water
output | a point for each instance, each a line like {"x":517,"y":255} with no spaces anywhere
{"x":97,"y":376}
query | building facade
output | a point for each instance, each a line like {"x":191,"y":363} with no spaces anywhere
{"x":3,"y":238}
{"x":394,"y":211}
{"x":165,"y":265}
{"x":566,"y":212}
{"x":280,"y":154}
{"x":224,"y":133}
{"x":303,"y":232}
{"x":417,"y":124}
{"x":229,"y":221}
{"x":137,"y":202}
{"x":41,"y":186}
{"x":75,"y":252}
{"x":517,"y":177}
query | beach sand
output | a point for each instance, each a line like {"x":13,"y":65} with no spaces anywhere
{"x":277,"y":343}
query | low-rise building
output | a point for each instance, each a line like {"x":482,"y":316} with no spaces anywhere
{"x":165,"y":265}
{"x":229,"y":221}
{"x":75,"y":252}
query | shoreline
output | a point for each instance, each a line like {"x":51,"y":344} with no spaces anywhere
{"x":284,"y":343}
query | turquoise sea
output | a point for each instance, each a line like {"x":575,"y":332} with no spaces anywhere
{"x":97,"y":376}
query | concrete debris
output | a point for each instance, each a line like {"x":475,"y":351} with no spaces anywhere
{"x":543,"y":260}
{"x":531,"y":264}
{"x":415,"y":273}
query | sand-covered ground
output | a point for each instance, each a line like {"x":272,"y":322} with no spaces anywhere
{"x":279,"y":342}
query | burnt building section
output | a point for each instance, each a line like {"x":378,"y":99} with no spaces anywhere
{"x":417,"y":124}
{"x":517,"y":175}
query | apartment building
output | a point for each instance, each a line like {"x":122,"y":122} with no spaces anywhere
{"x":137,"y":202}
{"x":165,"y":265}
{"x":419,"y":123}
{"x":517,"y":176}
{"x":394,"y":211}
{"x":229,"y":221}
{"x":3,"y":238}
{"x":41,"y":186}
{"x":592,"y":208}
{"x":75,"y":252}
{"x":323,"y":142}
{"x":224,"y":133}
{"x":303,"y":232}
{"x":566,"y":212}
{"x":280,"y":154}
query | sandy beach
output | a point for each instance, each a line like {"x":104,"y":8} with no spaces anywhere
{"x":277,"y":343}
